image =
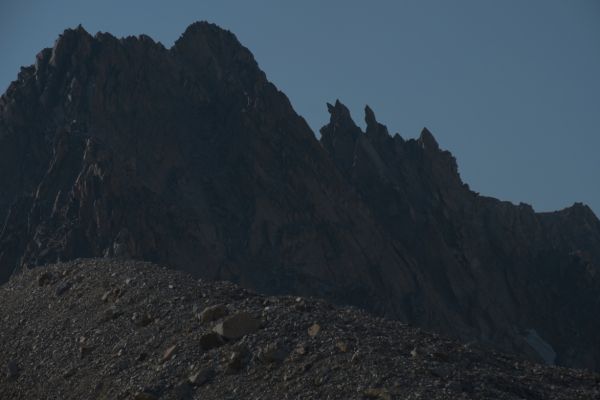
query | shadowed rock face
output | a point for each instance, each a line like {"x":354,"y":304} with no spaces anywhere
{"x":499,"y":269}
{"x":186,"y":156}
{"x":189,"y":157}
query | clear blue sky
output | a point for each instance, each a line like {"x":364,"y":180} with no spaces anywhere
{"x":511,"y":87}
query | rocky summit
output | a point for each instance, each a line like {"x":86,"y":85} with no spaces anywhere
{"x":109,"y":329}
{"x":189,"y":157}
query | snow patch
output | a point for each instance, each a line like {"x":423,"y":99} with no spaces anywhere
{"x":543,"y":348}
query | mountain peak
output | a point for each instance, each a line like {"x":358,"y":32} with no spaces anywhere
{"x":79,"y":30}
{"x":189,"y":157}
{"x":70,"y":41}
{"x":207,"y":48}
{"x":370,"y":117}
{"x":340,"y":115}
{"x":203,"y":32}
{"x":204,"y":28}
{"x":427,"y":140}
{"x":374,"y":128}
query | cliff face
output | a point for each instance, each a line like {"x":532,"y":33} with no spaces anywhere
{"x":505,"y":274}
{"x":189,"y":157}
{"x":186,"y":156}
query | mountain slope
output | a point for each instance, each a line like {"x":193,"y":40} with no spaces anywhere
{"x":505,"y":272}
{"x":122,"y":330}
{"x":189,"y":157}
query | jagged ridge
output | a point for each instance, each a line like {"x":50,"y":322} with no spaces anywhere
{"x":189,"y":157}
{"x":496,"y":271}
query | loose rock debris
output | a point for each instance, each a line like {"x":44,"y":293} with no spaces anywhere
{"x":132,"y":330}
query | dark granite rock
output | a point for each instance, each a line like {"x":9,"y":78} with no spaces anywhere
{"x":211,"y":340}
{"x":487,"y":270}
{"x":189,"y":156}
{"x":237,"y":326}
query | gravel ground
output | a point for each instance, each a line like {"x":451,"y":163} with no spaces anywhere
{"x":108,"y":329}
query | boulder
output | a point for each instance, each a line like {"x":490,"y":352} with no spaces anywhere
{"x":237,"y":326}
{"x":213,"y":313}
{"x":211,"y":340}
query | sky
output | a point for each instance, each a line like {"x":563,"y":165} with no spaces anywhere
{"x":511,"y":88}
